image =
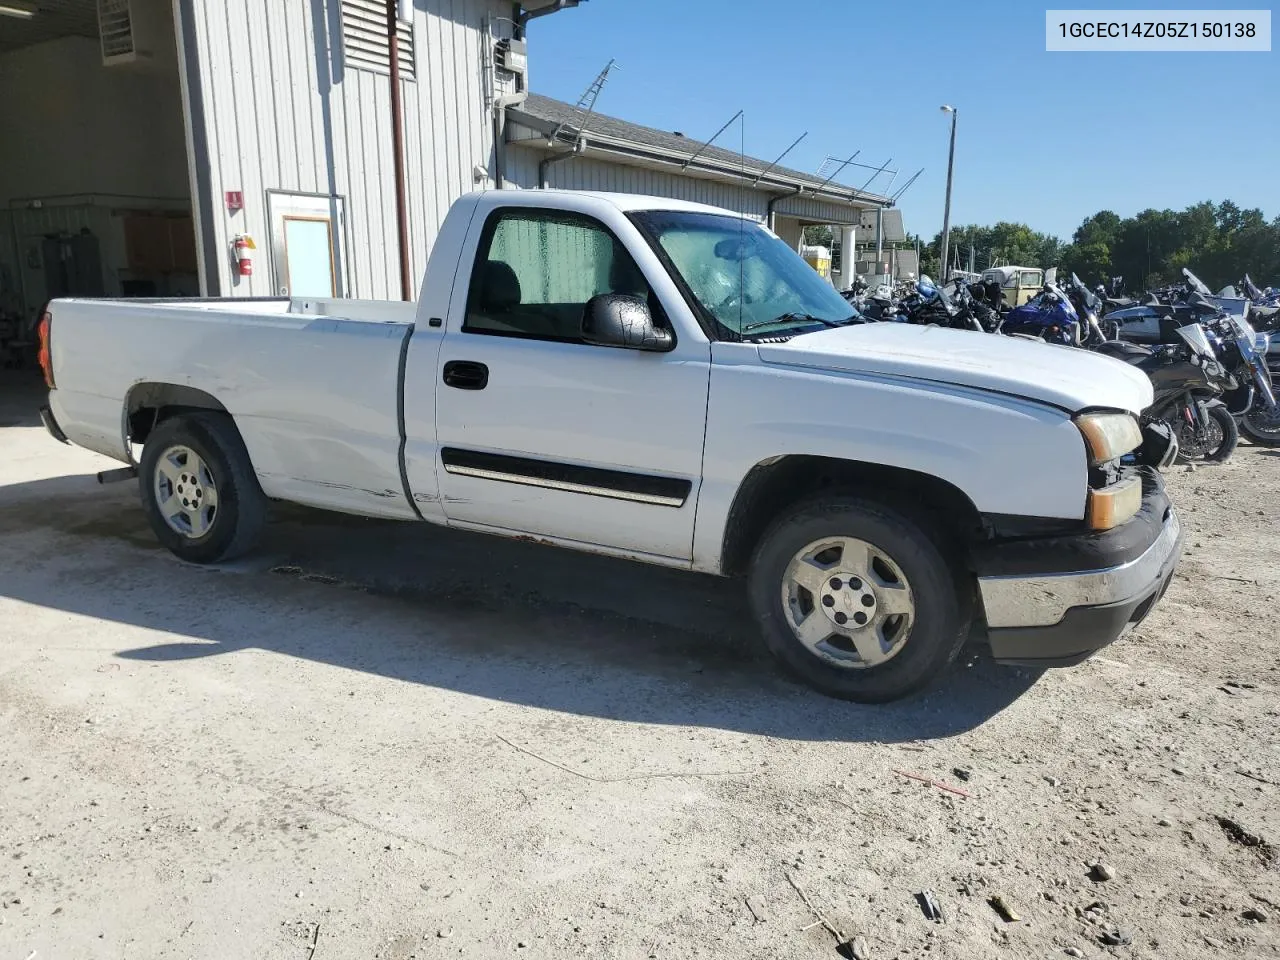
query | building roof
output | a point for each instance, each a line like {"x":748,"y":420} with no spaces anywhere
{"x":547,"y":115}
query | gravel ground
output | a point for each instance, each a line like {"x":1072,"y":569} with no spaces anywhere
{"x":373,"y":740}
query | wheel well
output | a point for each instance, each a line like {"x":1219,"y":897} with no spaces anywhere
{"x":149,"y":404}
{"x":773,"y":486}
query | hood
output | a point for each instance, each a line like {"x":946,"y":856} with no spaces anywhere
{"x":1066,"y":377}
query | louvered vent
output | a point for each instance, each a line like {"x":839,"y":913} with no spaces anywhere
{"x":115,"y":30}
{"x":364,"y":38}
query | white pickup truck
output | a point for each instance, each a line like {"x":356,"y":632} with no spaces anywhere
{"x":666,"y":382}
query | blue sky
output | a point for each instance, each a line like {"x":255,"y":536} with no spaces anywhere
{"x":1043,"y":138}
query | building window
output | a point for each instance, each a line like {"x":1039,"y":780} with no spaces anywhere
{"x":364,"y":38}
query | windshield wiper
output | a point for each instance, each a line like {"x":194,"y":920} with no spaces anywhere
{"x":799,"y":318}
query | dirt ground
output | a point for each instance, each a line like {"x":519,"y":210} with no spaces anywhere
{"x":374,"y":740}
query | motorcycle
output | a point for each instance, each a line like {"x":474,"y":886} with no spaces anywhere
{"x":881,"y":304}
{"x":1250,"y":351}
{"x":1188,"y":381}
{"x":1264,"y":306}
{"x":978,"y":306}
{"x":1147,"y":321}
{"x":1248,"y":354}
{"x":1089,"y":309}
{"x":1049,"y":315}
{"x":934,"y":305}
{"x":856,"y":293}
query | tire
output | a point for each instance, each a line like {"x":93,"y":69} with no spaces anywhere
{"x":1261,"y":429}
{"x":216,"y":508}
{"x":1230,"y":432}
{"x":1222,"y":446}
{"x":907,"y":651}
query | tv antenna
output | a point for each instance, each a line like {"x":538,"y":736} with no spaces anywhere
{"x":826,"y":163}
{"x":778,"y":159}
{"x":693,"y":156}
{"x":832,"y":175}
{"x":903,"y":189}
{"x":586,"y":105}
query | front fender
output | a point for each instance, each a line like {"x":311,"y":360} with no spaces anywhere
{"x":1008,"y":455}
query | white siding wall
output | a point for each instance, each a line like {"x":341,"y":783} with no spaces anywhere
{"x":281,"y":112}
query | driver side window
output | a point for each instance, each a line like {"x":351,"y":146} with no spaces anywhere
{"x":536,"y":270}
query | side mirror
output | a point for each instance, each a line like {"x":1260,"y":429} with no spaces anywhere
{"x":620,"y":320}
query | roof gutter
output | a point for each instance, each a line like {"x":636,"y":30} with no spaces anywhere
{"x":524,"y":16}
{"x":544,"y":165}
{"x":768,"y":220}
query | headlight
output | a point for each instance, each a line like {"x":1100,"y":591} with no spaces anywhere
{"x":1109,"y":436}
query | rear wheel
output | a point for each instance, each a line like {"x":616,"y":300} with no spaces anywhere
{"x":856,"y":600}
{"x":199,"y":490}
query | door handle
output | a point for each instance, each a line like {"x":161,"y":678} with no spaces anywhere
{"x":466,"y":375}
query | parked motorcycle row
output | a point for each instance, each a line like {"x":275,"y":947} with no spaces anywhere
{"x":1210,"y":357}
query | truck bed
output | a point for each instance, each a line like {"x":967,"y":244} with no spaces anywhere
{"x":312,"y":384}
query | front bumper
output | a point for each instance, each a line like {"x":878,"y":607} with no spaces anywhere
{"x":1054,"y":601}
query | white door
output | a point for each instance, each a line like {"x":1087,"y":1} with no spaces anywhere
{"x":541,"y":433}
{"x":306,"y":245}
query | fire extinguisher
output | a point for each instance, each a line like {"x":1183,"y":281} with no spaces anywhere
{"x":242,"y":247}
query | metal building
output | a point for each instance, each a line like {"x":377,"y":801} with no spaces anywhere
{"x":146,"y":142}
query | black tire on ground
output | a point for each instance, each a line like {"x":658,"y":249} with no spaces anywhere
{"x":241,"y":511}
{"x":1251,"y":423}
{"x":942,"y":597}
{"x":1216,"y":411}
{"x":1230,"y":432}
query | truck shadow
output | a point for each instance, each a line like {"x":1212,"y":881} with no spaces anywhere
{"x":506,"y":620}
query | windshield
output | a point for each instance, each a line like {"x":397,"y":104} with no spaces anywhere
{"x":1067,"y":306}
{"x":1090,"y":298}
{"x":1196,"y":283}
{"x":1195,"y":337}
{"x":742,"y":275}
{"x":1244,"y":329}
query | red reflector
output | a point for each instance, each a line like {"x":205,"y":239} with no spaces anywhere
{"x":45,"y":357}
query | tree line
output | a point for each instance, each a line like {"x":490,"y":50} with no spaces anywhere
{"x":1219,"y":242}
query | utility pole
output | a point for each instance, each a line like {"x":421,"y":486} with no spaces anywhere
{"x":946,"y":211}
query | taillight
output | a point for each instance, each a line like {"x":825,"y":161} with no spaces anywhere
{"x":45,"y":356}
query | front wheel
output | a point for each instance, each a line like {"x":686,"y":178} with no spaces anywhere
{"x":856,"y":600}
{"x":1216,"y":437}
